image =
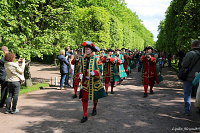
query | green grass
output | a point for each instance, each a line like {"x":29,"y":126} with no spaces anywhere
{"x":24,"y":90}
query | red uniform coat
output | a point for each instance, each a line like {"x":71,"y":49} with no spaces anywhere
{"x":126,"y":58}
{"x":150,"y":75}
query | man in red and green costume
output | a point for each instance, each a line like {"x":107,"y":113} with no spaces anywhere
{"x":126,"y":60}
{"x":92,"y":85}
{"x":110,"y":73}
{"x":120,"y":66}
{"x":149,"y":70}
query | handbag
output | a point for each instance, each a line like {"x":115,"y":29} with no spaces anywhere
{"x":183,"y":72}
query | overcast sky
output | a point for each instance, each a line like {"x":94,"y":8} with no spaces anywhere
{"x":151,"y":12}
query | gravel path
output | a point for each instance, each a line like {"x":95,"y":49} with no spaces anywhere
{"x":126,"y":111}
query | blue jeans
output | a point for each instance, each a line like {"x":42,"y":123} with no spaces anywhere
{"x":64,"y":79}
{"x":187,"y":95}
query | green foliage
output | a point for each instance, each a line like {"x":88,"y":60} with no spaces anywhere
{"x":180,"y":26}
{"x":34,"y":28}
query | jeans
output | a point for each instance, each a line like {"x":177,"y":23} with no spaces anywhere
{"x":64,"y":80}
{"x":187,"y":95}
{"x":14,"y":88}
{"x":139,"y":66}
{"x":4,"y":92}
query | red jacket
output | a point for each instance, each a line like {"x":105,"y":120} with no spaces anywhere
{"x":150,"y":74}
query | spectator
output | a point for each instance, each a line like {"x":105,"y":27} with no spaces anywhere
{"x":14,"y":77}
{"x":64,"y":70}
{"x":68,"y":53}
{"x":180,"y":55}
{"x":71,"y":72}
{"x":4,"y":89}
{"x":169,"y":59}
{"x":191,"y":61}
{"x":195,"y":82}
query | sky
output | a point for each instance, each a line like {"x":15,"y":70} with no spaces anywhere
{"x":151,"y":12}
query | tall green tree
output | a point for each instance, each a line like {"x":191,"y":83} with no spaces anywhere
{"x":180,"y":26}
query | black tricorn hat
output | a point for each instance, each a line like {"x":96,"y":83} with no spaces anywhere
{"x":123,"y":48}
{"x":91,"y":45}
{"x":117,"y":49}
{"x":109,"y":50}
{"x":148,"y":47}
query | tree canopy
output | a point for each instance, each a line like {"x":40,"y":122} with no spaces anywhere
{"x":33,"y":28}
{"x":180,"y":26}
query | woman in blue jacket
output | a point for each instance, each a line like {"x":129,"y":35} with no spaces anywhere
{"x":64,"y":69}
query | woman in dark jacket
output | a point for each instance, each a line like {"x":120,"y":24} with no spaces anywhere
{"x":64,"y":69}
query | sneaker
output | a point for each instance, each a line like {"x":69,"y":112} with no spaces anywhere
{"x":14,"y":112}
{"x":187,"y":114}
{"x":59,"y":88}
{"x":7,"y":112}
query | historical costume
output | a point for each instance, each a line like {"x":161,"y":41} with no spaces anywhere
{"x":125,"y":63}
{"x":149,"y":71}
{"x":92,"y":85}
{"x":76,"y":63}
{"x":111,"y":72}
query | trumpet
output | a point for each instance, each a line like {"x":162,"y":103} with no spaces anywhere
{"x":77,"y":57}
{"x":108,"y":58}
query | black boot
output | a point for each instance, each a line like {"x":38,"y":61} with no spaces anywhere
{"x":74,"y":96}
{"x":145,"y":95}
{"x":112,"y":92}
{"x":84,"y":119}
{"x":94,"y":112}
{"x":151,"y":91}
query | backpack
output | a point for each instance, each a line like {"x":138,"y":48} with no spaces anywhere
{"x":183,"y":72}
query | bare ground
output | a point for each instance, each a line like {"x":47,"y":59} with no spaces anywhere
{"x":126,"y":111}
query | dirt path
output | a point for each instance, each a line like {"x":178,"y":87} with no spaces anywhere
{"x":126,"y":111}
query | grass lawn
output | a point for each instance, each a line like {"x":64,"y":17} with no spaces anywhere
{"x":24,"y":90}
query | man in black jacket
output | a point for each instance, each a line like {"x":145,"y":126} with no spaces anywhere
{"x":191,"y":61}
{"x":4,"y":89}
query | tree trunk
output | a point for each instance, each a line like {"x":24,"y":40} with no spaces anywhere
{"x":55,"y":59}
{"x":27,"y":74}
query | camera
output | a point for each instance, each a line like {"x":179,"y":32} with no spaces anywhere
{"x":77,"y":58}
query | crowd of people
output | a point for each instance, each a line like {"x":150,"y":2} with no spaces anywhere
{"x":94,"y":70}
